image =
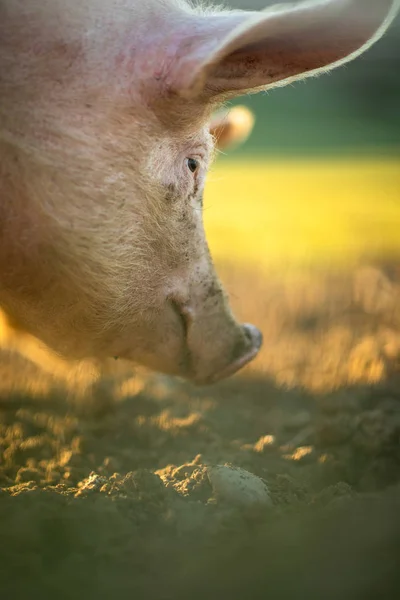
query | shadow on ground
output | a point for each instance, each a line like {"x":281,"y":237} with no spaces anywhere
{"x":117,"y":500}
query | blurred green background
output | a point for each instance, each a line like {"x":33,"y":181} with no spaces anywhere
{"x":318,"y":181}
{"x":356,"y":108}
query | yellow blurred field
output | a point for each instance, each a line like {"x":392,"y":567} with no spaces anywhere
{"x":266,"y":212}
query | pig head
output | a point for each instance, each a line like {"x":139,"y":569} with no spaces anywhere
{"x":105,"y":140}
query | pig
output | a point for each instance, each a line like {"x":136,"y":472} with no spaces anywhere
{"x":107,"y":115}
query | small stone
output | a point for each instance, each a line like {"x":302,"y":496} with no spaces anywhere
{"x":238,"y":487}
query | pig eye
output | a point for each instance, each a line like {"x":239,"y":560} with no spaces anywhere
{"x":192,"y":164}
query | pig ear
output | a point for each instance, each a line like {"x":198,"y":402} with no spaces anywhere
{"x":240,"y":52}
{"x":231,"y":128}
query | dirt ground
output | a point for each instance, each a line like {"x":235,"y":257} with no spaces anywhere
{"x":115,"y":496}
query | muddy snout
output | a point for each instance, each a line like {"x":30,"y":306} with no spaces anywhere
{"x":246,"y":348}
{"x":230,"y":360}
{"x":215,"y":344}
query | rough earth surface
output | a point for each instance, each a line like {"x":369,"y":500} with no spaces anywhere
{"x":283,"y":482}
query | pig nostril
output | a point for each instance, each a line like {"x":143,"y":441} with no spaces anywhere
{"x":254,"y":335}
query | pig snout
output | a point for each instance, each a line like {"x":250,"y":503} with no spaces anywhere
{"x":248,"y":345}
{"x":217,"y":346}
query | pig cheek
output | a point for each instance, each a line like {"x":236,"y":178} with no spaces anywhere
{"x":157,"y":343}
